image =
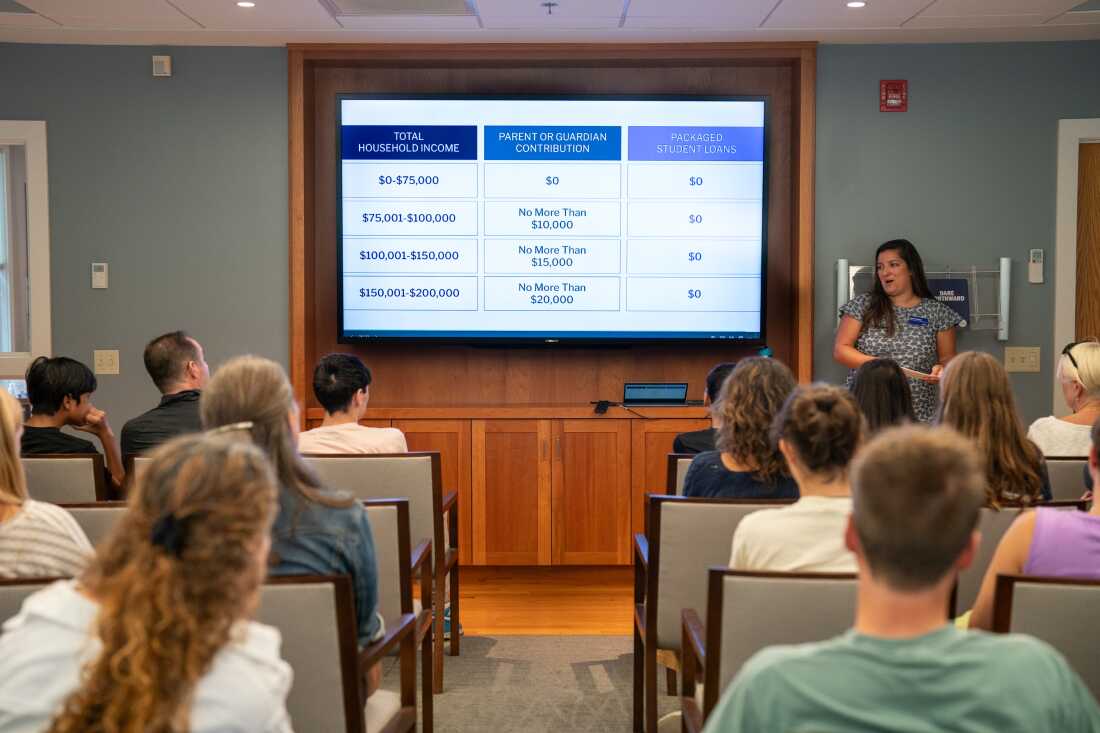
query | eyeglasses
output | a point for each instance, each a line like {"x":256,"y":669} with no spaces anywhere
{"x":1068,"y":351}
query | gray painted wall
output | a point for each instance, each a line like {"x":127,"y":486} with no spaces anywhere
{"x":968,"y":173}
{"x":180,"y":184}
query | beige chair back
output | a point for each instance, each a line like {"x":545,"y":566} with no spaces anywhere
{"x":763,"y":609}
{"x":678,"y":464}
{"x":14,"y":592}
{"x":75,"y":479}
{"x":314,"y":615}
{"x":389,"y":526}
{"x":1061,"y":612}
{"x":1067,"y":478}
{"x":992,"y":524}
{"x":97,"y":520}
{"x":410,"y":476}
{"x":693,"y":535}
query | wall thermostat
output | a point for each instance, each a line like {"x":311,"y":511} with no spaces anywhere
{"x":162,"y":66}
{"x":99,"y":275}
{"x":1035,"y":266}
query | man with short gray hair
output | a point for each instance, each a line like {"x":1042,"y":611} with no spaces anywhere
{"x":903,"y":667}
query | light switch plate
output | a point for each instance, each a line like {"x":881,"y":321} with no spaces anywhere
{"x":1022,"y":358}
{"x":105,"y":361}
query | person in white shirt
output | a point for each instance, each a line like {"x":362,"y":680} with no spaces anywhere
{"x":818,"y":431}
{"x":155,"y":635}
{"x":341,"y":383}
{"x":1078,"y":373}
{"x":37,"y":540}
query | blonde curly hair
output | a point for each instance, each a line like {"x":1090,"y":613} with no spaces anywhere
{"x":167,"y":607}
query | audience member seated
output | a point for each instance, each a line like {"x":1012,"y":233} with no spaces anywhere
{"x":317,"y":531}
{"x":916,"y":495}
{"x":747,"y":465}
{"x":155,"y":635}
{"x":818,"y":431}
{"x":341,"y":383}
{"x":37,"y":540}
{"x":976,"y":400}
{"x":59,"y":390}
{"x":882,"y":391}
{"x":1046,"y":542}
{"x":1078,"y":373}
{"x":698,"y":441}
{"x":178,"y":368}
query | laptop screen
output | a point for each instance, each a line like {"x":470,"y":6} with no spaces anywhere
{"x":654,"y":392}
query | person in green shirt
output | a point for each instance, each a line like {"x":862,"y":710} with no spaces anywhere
{"x":903,"y":667}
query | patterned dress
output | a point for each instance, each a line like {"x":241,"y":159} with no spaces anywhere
{"x":912,"y":346}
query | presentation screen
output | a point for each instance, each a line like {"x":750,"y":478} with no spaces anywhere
{"x":550,"y":219}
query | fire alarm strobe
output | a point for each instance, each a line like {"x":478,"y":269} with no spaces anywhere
{"x":893,"y":95}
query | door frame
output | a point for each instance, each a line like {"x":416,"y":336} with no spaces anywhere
{"x":1071,"y":135}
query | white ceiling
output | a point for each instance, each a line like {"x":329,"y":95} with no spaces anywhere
{"x":277,"y":22}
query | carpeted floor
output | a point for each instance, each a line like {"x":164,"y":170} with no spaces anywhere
{"x":536,"y":684}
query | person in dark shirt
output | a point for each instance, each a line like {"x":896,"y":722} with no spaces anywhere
{"x":178,"y":367}
{"x":747,"y":463}
{"x":59,"y":390}
{"x":698,"y":441}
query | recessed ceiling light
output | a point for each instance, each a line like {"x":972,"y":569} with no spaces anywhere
{"x":857,"y":4}
{"x":246,"y":4}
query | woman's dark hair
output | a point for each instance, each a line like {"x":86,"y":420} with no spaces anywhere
{"x":823,"y":425}
{"x":880,"y":311}
{"x":336,"y":380}
{"x":882,"y":391}
{"x":50,"y":381}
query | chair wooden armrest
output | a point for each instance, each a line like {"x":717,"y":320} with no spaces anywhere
{"x":373,"y":653}
{"x":694,"y":641}
{"x":449,"y":500}
{"x":641,"y":549}
{"x":420,"y":555}
{"x":694,"y":650}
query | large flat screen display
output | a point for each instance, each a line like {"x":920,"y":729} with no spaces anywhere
{"x":546,"y":219}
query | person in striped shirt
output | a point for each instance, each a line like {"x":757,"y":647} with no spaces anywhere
{"x":37,"y":540}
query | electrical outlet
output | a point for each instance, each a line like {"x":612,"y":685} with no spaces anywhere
{"x":105,"y":361}
{"x":1022,"y":358}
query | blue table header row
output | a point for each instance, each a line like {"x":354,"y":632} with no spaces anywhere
{"x":541,"y":142}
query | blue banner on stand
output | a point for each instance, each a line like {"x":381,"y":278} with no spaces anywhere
{"x":954,"y":292}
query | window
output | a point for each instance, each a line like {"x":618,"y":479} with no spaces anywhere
{"x":24,"y":247}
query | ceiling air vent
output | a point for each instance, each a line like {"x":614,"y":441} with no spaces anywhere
{"x":367,"y":8}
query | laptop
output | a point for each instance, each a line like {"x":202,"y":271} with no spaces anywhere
{"x":654,"y":394}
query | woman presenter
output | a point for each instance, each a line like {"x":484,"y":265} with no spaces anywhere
{"x":900,"y":320}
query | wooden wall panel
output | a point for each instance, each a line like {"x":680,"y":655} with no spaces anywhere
{"x":452,"y":439}
{"x":1088,"y":242}
{"x":650,"y":444}
{"x":438,"y":375}
{"x":511,"y":492}
{"x":591,"y":490}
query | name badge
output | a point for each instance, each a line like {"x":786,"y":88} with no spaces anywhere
{"x":917,"y":321}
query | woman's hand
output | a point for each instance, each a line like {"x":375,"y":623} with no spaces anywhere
{"x":934,"y":376}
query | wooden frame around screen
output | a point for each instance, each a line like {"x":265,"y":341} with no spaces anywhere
{"x":305,"y":60}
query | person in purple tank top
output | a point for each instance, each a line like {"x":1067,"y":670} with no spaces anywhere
{"x":1063,"y":543}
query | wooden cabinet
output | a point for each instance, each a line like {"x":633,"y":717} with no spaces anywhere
{"x":650,"y":444}
{"x":590,"y":498}
{"x":452,"y":439}
{"x":511,"y":492}
{"x":544,"y":485}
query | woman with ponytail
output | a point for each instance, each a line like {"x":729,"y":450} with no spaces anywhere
{"x":817,"y":431}
{"x":154,"y":637}
{"x":317,"y":531}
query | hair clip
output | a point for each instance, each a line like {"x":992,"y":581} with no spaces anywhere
{"x":170,"y":533}
{"x":231,"y":427}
